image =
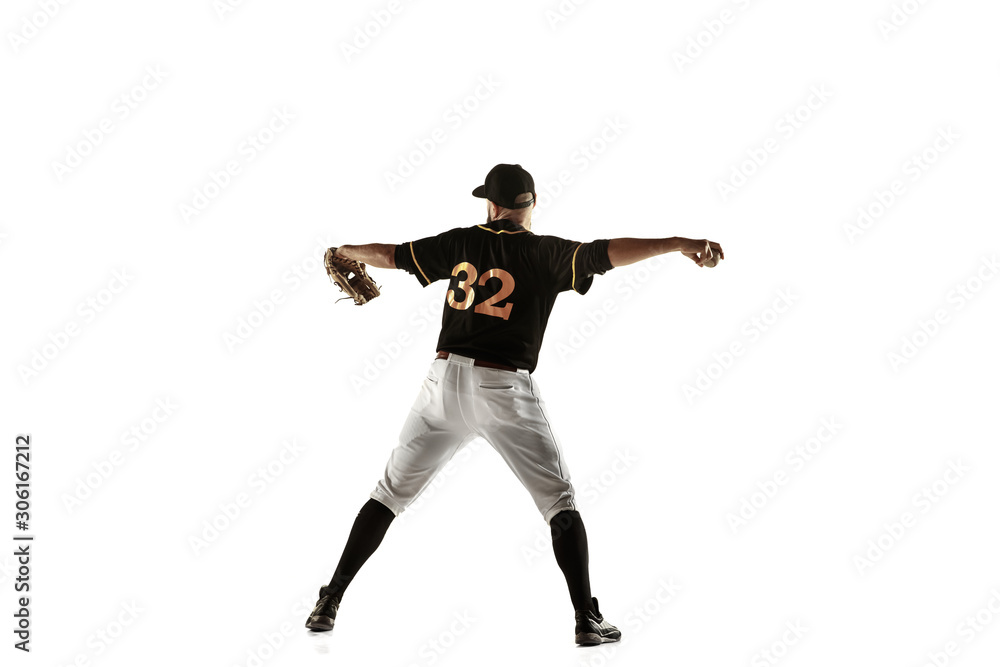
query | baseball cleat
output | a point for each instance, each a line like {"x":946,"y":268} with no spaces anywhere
{"x":325,"y":613}
{"x":592,"y":629}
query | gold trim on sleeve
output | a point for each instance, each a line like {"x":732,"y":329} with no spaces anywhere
{"x":573,"y":284}
{"x":426,"y":280}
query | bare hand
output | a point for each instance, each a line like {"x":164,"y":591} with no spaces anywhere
{"x":698,"y":250}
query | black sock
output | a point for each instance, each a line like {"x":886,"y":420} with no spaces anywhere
{"x":369,"y":529}
{"x":569,"y":542}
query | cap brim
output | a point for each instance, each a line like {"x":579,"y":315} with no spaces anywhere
{"x":480,"y":192}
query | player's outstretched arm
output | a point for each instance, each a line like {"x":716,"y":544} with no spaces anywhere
{"x":376,"y":255}
{"x":628,"y":251}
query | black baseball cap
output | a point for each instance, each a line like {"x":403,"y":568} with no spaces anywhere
{"x":504,"y":183}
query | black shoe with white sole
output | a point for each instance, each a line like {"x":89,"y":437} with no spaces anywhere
{"x":325,"y":613}
{"x":592,"y":629}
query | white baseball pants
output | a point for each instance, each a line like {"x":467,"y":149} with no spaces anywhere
{"x":459,"y":402}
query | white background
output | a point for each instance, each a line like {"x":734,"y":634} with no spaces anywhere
{"x":660,"y":473}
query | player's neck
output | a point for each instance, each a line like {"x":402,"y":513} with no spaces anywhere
{"x":524,"y":223}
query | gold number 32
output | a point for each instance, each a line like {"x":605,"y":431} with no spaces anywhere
{"x":486,"y":307}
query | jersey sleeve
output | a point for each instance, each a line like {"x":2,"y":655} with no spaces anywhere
{"x":429,"y":259}
{"x":572,"y":265}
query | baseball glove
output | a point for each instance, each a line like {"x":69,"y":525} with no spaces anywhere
{"x":351,"y":277}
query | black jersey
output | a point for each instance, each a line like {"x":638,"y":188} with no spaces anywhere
{"x":503,"y":282}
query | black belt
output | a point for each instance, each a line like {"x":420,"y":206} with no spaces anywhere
{"x":479,"y":362}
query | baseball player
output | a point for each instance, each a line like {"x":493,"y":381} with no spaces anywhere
{"x":502,"y":283}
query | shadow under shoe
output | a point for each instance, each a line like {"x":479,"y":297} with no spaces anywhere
{"x":325,"y":612}
{"x":592,"y":629}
